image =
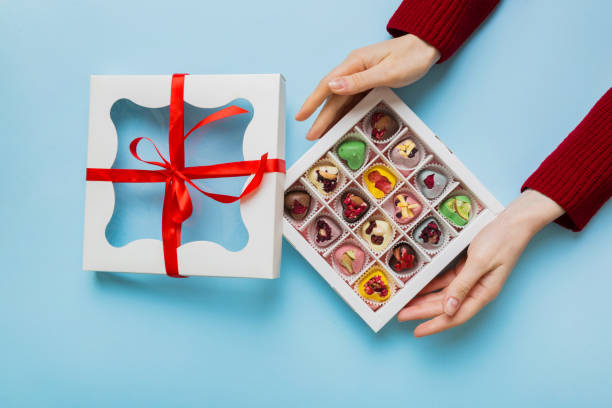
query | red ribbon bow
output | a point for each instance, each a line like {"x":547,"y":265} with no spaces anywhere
{"x":177,"y":205}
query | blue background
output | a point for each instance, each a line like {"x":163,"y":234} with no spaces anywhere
{"x":74,"y":338}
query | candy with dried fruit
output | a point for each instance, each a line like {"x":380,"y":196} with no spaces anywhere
{"x":324,"y":177}
{"x":297,"y":204}
{"x":377,"y":233}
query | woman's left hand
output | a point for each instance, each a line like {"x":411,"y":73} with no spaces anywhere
{"x":458,"y":294}
{"x":395,"y":63}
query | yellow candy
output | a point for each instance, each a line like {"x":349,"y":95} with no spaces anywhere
{"x":383,"y":171}
{"x":375,"y":296}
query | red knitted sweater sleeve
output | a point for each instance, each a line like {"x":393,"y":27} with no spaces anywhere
{"x":444,"y":24}
{"x":578,"y":174}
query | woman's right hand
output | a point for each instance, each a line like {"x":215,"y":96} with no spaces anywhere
{"x":455,"y":296}
{"x":395,"y":63}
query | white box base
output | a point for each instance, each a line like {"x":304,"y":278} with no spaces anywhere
{"x":490,"y":208}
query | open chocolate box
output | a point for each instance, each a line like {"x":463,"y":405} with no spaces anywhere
{"x":379,"y":206}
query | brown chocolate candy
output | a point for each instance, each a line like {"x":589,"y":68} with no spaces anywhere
{"x":297,"y":204}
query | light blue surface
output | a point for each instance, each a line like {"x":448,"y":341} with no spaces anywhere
{"x":74,"y":338}
{"x":138,"y":206}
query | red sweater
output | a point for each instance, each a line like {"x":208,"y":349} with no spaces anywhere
{"x":578,"y":174}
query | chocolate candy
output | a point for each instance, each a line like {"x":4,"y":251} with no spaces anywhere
{"x":431,"y":183}
{"x":353,"y":206}
{"x":403,"y":258}
{"x":377,"y":233}
{"x":383,"y":126}
{"x":349,"y":259}
{"x":407,"y":208}
{"x":353,"y":153}
{"x":297,"y":204}
{"x":429,"y":234}
{"x":324,"y":178}
{"x":379,"y":180}
{"x":406,"y":154}
{"x":375,"y":286}
{"x":325,"y":231}
{"x":457,"y":210}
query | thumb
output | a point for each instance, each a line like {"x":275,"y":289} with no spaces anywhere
{"x":461,"y":286}
{"x":359,"y":81}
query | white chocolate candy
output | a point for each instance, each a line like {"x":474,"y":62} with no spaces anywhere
{"x":324,"y":178}
{"x":406,"y":154}
{"x":431,"y":183}
{"x":377,"y":233}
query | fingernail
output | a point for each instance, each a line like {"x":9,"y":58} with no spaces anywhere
{"x":451,"y":306}
{"x":337,"y":84}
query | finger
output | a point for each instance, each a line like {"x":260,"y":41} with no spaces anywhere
{"x":433,"y":326}
{"x":468,"y":309}
{"x":328,"y":116}
{"x":425,"y":310}
{"x":439,"y":282}
{"x":461,"y":286}
{"x":360,"y":81}
{"x":322,"y":91}
{"x":430,"y":297}
{"x":443,"y":280}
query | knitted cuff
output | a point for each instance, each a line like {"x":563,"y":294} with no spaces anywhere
{"x":578,"y":174}
{"x":444,"y":24}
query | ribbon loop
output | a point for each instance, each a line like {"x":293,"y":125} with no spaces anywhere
{"x":134,"y":150}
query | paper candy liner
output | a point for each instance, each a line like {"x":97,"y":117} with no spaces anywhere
{"x":352,"y":135}
{"x":366,"y":123}
{"x":375,"y":305}
{"x":376,"y":217}
{"x":339,"y":183}
{"x":311,"y":232}
{"x":406,"y":170}
{"x":443,"y":239}
{"x":337,"y":206}
{"x":366,"y":260}
{"x":473,"y":211}
{"x":389,"y":207}
{"x":398,"y":180}
{"x":418,"y":265}
{"x":439,"y":168}
{"x":315,"y":205}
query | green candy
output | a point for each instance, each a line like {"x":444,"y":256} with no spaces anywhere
{"x":353,"y":151}
{"x":457,"y":209}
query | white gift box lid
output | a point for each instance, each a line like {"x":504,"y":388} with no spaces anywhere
{"x":261,"y":211}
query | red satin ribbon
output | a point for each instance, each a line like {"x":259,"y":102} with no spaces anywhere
{"x":177,"y":201}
